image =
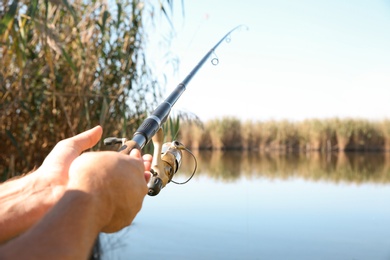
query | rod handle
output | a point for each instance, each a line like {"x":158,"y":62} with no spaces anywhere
{"x":128,"y":146}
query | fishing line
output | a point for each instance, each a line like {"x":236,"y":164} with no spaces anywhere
{"x":195,"y":167}
{"x":215,"y":60}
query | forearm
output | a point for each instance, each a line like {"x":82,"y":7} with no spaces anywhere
{"x":67,"y":231}
{"x":22,"y":204}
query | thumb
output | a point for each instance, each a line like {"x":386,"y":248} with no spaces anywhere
{"x":69,"y":149}
{"x":86,"y":139}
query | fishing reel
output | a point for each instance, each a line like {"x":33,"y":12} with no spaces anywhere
{"x":166,"y":162}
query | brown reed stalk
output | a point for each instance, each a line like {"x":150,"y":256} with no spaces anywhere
{"x":325,"y":135}
{"x":66,"y":66}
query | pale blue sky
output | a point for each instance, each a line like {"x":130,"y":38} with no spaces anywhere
{"x":298,"y":59}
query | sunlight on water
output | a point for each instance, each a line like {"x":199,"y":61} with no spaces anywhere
{"x":257,"y":216}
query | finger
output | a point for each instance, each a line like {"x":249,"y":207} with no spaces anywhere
{"x":69,"y":149}
{"x":128,"y":146}
{"x":147,"y":161}
{"x":87,"y":139}
{"x":147,"y":175}
{"x":147,"y":157}
{"x":135,"y":153}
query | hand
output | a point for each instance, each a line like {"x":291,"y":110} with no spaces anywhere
{"x":24,"y":201}
{"x":53,"y":173}
{"x":104,"y":192}
{"x":116,"y":181}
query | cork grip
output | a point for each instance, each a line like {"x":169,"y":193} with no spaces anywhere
{"x":128,"y":146}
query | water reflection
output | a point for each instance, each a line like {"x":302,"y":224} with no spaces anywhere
{"x":334,"y":167}
{"x":266,"y":206}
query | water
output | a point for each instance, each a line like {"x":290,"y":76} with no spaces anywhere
{"x":280,"y":211}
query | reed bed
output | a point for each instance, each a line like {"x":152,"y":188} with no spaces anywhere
{"x":335,"y":167}
{"x":66,"y":66}
{"x":332,"y":134}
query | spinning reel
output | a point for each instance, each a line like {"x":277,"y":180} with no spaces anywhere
{"x":166,"y":162}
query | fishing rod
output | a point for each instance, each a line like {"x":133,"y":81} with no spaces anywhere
{"x":166,"y":157}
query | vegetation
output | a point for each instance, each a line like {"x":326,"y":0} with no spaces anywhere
{"x":230,"y":166}
{"x":284,"y":136}
{"x":66,"y":66}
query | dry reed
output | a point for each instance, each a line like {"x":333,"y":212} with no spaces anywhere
{"x":68,"y":66}
{"x":333,"y":134}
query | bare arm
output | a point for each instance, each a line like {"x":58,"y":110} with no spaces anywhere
{"x":23,"y":203}
{"x":104,"y":193}
{"x":25,"y":200}
{"x":67,"y":232}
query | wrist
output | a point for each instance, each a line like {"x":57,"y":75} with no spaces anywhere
{"x":48,"y":192}
{"x":98,"y":201}
{"x":23,"y":203}
{"x":96,"y":210}
{"x":68,"y":231}
{"x":37,"y":196}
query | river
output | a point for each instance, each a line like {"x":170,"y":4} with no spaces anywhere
{"x":266,"y":206}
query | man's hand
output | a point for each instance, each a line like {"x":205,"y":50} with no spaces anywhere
{"x":118,"y":183}
{"x":25,"y":200}
{"x":93,"y":192}
{"x":53,"y":173}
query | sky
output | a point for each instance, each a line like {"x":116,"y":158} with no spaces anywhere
{"x":296,"y":60}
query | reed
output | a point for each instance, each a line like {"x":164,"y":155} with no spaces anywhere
{"x":230,"y":166}
{"x":66,"y":66}
{"x":225,"y":133}
{"x":285,"y":136}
